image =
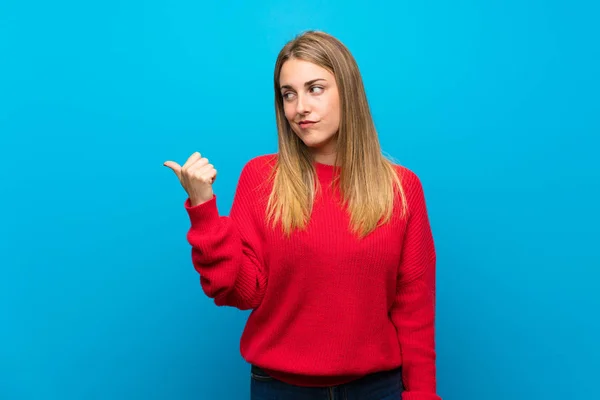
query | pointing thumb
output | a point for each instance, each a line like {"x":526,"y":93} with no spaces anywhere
{"x":175,"y":167}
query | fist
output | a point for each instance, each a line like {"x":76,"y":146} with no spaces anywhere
{"x":196,"y":176}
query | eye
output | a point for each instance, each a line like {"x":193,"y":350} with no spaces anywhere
{"x":288,"y":95}
{"x":316,"y":89}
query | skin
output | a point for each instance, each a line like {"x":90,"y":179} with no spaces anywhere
{"x":196,"y":176}
{"x":310,"y":93}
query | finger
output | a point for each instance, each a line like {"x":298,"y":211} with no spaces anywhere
{"x":197,"y":165}
{"x":191,"y":160}
{"x":203,"y":170}
{"x":211,"y":177}
{"x":206,"y":174}
{"x":175,"y":167}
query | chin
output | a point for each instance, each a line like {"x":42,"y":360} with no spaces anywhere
{"x":313,"y":145}
{"x":314,"y":139}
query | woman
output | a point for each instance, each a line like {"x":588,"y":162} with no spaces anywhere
{"x":327,"y":242}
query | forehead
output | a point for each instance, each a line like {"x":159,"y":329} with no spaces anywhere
{"x":296,"y":72}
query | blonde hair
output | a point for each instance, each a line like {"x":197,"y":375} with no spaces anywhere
{"x":367,"y":179}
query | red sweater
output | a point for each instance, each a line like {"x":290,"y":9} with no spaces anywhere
{"x":326,"y":307}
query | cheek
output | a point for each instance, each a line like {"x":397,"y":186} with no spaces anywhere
{"x":289,"y":112}
{"x":333,"y":111}
{"x":330,"y":102}
{"x":290,"y":116}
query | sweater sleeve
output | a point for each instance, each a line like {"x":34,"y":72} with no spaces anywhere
{"x":413,"y":312}
{"x":226,"y":250}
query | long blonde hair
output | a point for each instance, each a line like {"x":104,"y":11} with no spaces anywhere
{"x":367,"y":180}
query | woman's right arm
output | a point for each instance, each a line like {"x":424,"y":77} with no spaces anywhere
{"x":227,"y":250}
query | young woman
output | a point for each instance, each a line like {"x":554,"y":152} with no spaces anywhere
{"x":327,"y":242}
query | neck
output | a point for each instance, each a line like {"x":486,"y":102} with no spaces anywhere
{"x":325,"y":156}
{"x":325,"y":159}
{"x":326,"y":153}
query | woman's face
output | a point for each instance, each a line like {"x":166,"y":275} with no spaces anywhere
{"x":311,"y":105}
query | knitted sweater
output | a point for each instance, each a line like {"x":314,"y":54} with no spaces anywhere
{"x":327,"y":307}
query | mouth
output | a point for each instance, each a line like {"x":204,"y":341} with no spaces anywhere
{"x":306,"y":124}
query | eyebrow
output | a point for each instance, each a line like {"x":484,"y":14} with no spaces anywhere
{"x":306,"y":84}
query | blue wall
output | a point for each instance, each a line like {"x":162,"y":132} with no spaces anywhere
{"x":494,"y":104}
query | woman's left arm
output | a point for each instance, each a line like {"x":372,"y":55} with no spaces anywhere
{"x":413,"y":312}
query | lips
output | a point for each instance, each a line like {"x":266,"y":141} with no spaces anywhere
{"x":306,"y":124}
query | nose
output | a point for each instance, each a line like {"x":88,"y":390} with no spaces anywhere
{"x":302,"y":106}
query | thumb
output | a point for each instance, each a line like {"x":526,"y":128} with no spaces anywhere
{"x":175,"y":167}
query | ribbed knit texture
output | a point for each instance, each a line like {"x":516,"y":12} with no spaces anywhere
{"x":327,"y":307}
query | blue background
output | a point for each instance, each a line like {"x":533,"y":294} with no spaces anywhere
{"x":494,"y":104}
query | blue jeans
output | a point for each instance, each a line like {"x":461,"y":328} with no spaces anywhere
{"x":385,"y":385}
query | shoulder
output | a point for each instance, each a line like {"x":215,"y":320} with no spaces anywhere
{"x":257,"y":170}
{"x":264,"y":162}
{"x":411,"y":186}
{"x":408,"y":177}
